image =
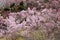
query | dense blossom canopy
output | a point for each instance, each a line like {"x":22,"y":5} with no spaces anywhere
{"x":39,"y":14}
{"x":29,"y":20}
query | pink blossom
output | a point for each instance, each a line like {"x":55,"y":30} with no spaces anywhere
{"x":28,"y":20}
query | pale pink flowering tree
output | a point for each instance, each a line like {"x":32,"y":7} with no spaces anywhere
{"x":29,"y":20}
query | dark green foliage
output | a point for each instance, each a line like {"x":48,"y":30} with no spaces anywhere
{"x":21,"y":6}
{"x":6,"y":9}
{"x":46,"y":1}
{"x":15,"y":8}
{"x":12,"y":9}
{"x":12,"y":5}
{"x":21,"y":3}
